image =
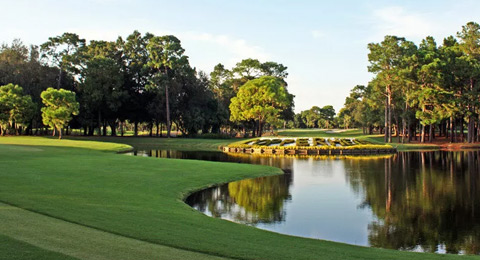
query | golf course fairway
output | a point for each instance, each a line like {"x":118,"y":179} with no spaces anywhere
{"x":77,"y":199}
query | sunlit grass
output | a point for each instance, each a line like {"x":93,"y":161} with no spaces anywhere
{"x":142,"y":198}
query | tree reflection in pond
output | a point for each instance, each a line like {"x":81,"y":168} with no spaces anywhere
{"x":425,"y":201}
{"x":262,"y":198}
{"x":248,"y":201}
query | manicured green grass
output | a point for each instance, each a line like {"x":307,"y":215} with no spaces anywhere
{"x":142,"y":198}
{"x":53,"y":141}
{"x":181,"y":144}
{"x":12,"y":249}
{"x":35,"y":236}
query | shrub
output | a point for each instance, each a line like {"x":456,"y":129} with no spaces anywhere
{"x":275,"y":141}
{"x":319,"y":142}
{"x":263,"y":142}
{"x":302,"y":142}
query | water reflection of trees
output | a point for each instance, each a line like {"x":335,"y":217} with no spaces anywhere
{"x":424,"y":200}
{"x":262,"y":199}
{"x":248,"y":201}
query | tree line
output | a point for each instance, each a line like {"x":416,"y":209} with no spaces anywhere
{"x":142,"y":82}
{"x":428,"y":90}
{"x":315,"y":117}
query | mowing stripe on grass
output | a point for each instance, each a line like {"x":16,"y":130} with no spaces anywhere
{"x":79,"y":241}
{"x":12,"y":249}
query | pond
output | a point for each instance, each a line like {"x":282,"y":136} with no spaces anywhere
{"x":416,"y":201}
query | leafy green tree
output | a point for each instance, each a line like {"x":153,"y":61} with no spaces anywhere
{"x":136,"y":75}
{"x":21,"y":65}
{"x":361,"y":109}
{"x":60,"y":105}
{"x":327,"y":115}
{"x":385,"y":60}
{"x":429,"y":95}
{"x":470,"y":45}
{"x":248,"y":69}
{"x":225,"y":84}
{"x":102,"y":92}
{"x":220,"y":79}
{"x":452,"y":70}
{"x":262,"y":100}
{"x":166,"y":53}
{"x":197,"y":106}
{"x":16,"y":109}
{"x":271,"y":68}
{"x":60,"y":51}
{"x":312,"y":117}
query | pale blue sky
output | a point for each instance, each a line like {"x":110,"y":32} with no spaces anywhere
{"x":323,"y":43}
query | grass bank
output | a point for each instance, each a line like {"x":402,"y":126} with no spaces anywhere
{"x":141,"y":199}
{"x":146,"y":143}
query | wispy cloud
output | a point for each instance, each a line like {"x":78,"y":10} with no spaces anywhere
{"x":317,"y":34}
{"x":395,"y":20}
{"x":236,"y":48}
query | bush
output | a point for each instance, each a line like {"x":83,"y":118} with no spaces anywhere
{"x":275,"y":141}
{"x":302,"y":142}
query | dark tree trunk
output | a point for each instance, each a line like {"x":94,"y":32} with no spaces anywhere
{"x":447,"y":129}
{"x":113,"y":127}
{"x":60,"y":75}
{"x":452,"y":129}
{"x":91,"y":130}
{"x":135,"y":128}
{"x":431,"y":132}
{"x":422,"y":138}
{"x":167,"y":104}
{"x":478,"y":128}
{"x":386,"y":120}
{"x":104,"y":133}
{"x":462,"y":134}
{"x":471,"y":129}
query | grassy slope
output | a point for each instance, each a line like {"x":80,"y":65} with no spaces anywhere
{"x":141,"y":198}
{"x":12,"y":249}
{"x":181,"y":144}
{"x":356,"y":133}
{"x":40,"y":236}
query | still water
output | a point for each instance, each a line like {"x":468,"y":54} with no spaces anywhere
{"x":416,"y":201}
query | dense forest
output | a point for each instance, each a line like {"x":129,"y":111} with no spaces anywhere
{"x":420,"y":92}
{"x":141,"y":83}
{"x":145,"y":83}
